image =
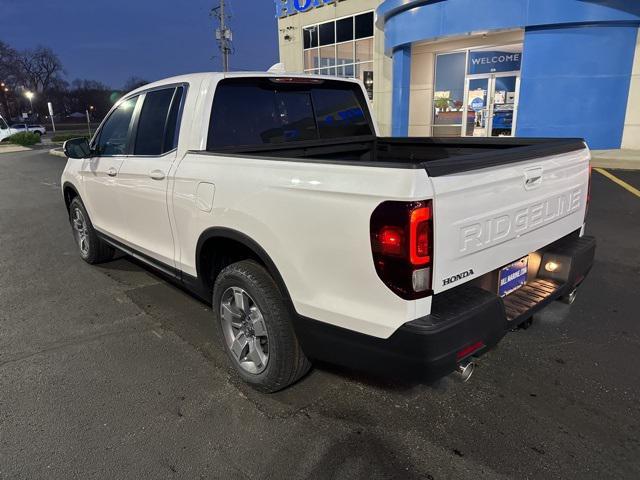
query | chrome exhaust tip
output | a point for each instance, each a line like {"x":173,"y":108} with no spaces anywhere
{"x":571,"y":297}
{"x":465,"y":370}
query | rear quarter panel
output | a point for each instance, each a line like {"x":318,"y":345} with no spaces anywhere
{"x":312,"y":219}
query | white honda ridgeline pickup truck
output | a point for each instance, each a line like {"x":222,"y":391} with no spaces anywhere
{"x":273,"y":197}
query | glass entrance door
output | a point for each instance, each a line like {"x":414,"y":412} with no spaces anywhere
{"x":477,"y":107}
{"x":504,"y":104}
{"x":490,"y":105}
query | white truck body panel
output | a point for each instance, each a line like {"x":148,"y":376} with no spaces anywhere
{"x":488,"y":218}
{"x":313,"y":218}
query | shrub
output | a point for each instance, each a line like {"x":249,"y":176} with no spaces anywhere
{"x":63,"y":137}
{"x":26,"y":139}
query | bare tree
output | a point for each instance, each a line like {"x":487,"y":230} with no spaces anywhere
{"x":132,"y":83}
{"x":41,"y":67}
{"x":9,"y":65}
{"x":9,"y":77}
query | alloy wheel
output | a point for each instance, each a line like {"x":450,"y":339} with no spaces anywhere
{"x":80,"y":231}
{"x":245,"y":330}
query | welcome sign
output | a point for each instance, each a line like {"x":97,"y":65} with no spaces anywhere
{"x":284,"y":8}
{"x":494,"y":61}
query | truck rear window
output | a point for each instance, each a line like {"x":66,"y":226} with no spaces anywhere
{"x":259,"y":111}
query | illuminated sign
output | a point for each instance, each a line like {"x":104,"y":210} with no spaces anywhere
{"x":284,"y":8}
{"x":493,"y":61}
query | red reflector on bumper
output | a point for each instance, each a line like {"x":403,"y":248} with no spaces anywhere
{"x":466,"y":351}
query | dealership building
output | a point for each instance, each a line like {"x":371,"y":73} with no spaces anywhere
{"x":541,"y":68}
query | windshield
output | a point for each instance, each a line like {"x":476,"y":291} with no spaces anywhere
{"x":3,"y":124}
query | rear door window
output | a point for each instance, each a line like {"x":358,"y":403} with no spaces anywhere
{"x":254,"y":112}
{"x":173,"y":122}
{"x":157,"y":123}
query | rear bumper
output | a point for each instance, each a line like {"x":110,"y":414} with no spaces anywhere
{"x":430,"y":347}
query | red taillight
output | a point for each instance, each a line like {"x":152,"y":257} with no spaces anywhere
{"x":419,"y":239}
{"x":390,"y":239}
{"x":401,"y":242}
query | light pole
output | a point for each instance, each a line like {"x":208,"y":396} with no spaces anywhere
{"x":4,"y":89}
{"x":6,"y":102}
{"x":90,"y":109}
{"x":29,"y":95}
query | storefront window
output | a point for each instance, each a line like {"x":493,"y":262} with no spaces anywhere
{"x":364,"y":50}
{"x":344,"y":29}
{"x":448,"y":97}
{"x":311,"y":59}
{"x":364,"y":25}
{"x":345,"y":53}
{"x":343,"y":47}
{"x":310,"y":37}
{"x":328,"y":56}
{"x":488,"y":78}
{"x":327,"y":33}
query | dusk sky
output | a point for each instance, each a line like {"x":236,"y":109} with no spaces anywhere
{"x":110,"y":41}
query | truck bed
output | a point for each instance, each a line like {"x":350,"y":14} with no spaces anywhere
{"x":438,"y":155}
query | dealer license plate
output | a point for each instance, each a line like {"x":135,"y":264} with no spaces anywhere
{"x":513,"y":276}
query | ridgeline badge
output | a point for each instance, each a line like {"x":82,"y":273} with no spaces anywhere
{"x":284,"y":8}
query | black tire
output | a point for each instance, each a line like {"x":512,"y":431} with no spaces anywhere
{"x":93,"y":250}
{"x":286,"y":361}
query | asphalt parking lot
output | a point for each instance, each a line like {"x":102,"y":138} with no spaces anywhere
{"x":110,"y":372}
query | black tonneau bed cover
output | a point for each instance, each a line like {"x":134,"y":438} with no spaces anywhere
{"x":438,"y":155}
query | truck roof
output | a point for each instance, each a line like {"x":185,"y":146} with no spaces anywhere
{"x":216,"y":76}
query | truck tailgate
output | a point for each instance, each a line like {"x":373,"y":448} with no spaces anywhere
{"x":485,"y":219}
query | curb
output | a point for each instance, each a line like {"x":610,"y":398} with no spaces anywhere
{"x":57,"y":152}
{"x":615,"y":163}
{"x":620,"y":159}
{"x":11,"y":148}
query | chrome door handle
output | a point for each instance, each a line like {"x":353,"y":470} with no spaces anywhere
{"x":156,"y":174}
{"x":112,"y":172}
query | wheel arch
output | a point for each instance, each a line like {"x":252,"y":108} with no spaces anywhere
{"x":225,"y":237}
{"x":69,"y":191}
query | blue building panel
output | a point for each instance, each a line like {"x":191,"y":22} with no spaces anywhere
{"x":401,"y":91}
{"x":576,"y":61}
{"x":575,"y":83}
{"x":408,"y":21}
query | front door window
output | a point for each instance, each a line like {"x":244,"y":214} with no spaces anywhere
{"x":115,"y":132}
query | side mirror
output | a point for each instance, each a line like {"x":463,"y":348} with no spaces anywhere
{"x":77,"y":148}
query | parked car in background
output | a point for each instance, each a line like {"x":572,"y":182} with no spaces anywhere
{"x":23,"y":127}
{"x":5,"y":130}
